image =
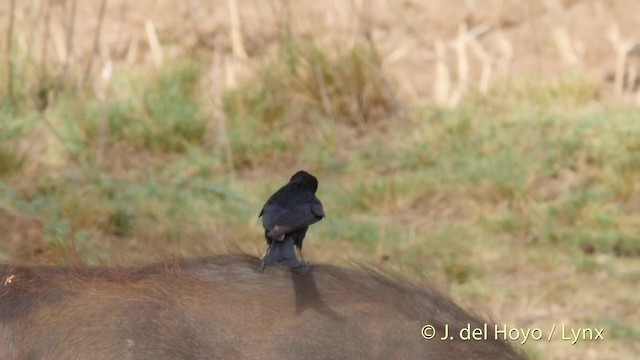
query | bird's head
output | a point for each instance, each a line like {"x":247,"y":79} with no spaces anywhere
{"x":305,"y":179}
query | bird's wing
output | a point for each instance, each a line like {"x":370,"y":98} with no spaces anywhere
{"x":317,"y":209}
{"x":281,"y":220}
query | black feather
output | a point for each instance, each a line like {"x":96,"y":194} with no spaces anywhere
{"x":288,"y":213}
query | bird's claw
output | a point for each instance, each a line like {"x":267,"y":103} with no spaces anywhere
{"x":304,"y":268}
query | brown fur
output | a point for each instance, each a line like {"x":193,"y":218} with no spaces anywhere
{"x":223,"y":307}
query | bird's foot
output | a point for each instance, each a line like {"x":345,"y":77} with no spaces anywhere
{"x":303,"y":268}
{"x":265,"y":252}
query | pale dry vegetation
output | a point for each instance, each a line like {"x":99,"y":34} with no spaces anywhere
{"x":489,"y":146}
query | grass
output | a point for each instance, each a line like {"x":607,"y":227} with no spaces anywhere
{"x":563,"y":178}
{"x":529,"y":180}
{"x":303,"y":97}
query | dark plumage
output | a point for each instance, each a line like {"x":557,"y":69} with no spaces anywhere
{"x":286,"y":217}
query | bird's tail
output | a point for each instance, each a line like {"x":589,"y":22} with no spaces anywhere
{"x":281,"y":251}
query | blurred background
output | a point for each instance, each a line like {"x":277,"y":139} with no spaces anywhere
{"x":490,"y":147}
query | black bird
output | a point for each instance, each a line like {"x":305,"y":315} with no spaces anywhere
{"x":286,"y":217}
